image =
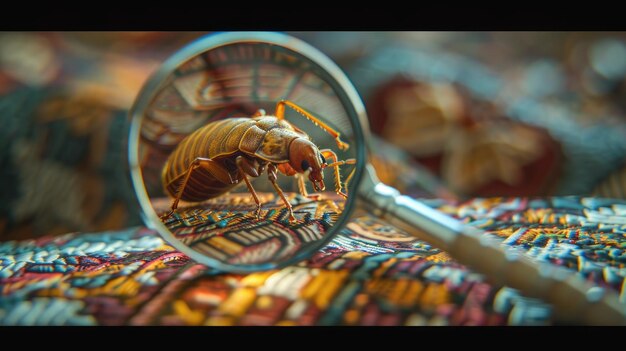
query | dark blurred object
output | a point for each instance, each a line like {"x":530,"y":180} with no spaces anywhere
{"x":469,"y":144}
{"x":63,"y":164}
{"x":396,"y":168}
{"x":63,"y":109}
{"x":532,"y":88}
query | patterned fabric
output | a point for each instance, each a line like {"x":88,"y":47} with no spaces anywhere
{"x":371,"y":274}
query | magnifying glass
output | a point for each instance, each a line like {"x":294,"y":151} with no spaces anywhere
{"x":248,"y":151}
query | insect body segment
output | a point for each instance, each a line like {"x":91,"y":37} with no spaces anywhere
{"x":218,"y":156}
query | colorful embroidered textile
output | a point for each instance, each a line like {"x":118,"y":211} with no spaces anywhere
{"x":371,"y":274}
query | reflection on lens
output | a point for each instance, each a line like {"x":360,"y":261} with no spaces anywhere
{"x":234,"y":173}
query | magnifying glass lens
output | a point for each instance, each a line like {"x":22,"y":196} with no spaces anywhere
{"x":245,"y":150}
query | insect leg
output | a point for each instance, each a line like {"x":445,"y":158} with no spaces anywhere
{"x":302,"y":188}
{"x":280,"y":114}
{"x":271,"y":175}
{"x":245,"y":168}
{"x":301,"y":185}
{"x":213,"y":167}
{"x":327,"y":153}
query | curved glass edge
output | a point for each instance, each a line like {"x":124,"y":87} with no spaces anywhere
{"x":352,"y":102}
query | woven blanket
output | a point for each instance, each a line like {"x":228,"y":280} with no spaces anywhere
{"x":370,"y":274}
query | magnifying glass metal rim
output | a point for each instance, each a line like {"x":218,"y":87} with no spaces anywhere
{"x":351,"y":101}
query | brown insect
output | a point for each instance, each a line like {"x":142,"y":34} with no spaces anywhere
{"x":215,"y":158}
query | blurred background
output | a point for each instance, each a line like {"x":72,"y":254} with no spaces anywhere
{"x":456,"y":115}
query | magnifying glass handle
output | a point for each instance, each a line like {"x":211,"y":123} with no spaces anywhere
{"x":574,"y":300}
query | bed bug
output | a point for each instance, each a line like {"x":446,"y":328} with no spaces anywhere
{"x":218,"y":156}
